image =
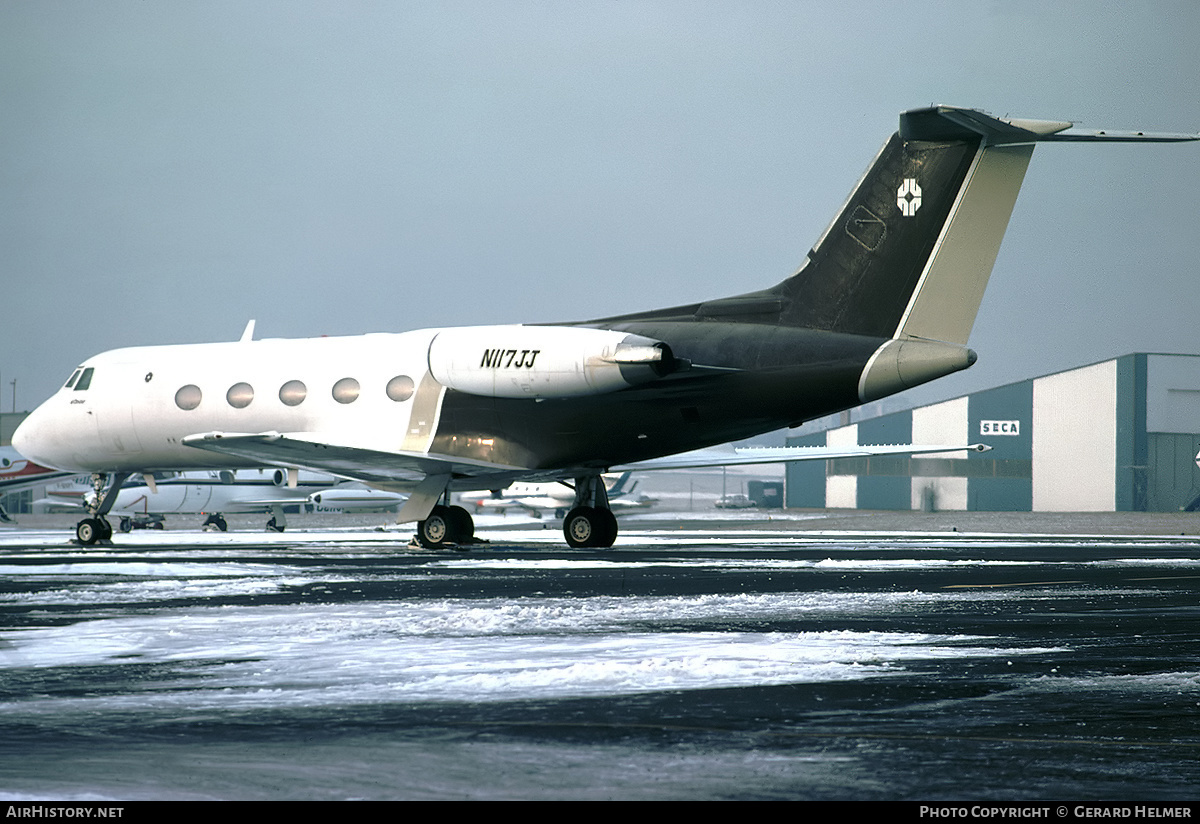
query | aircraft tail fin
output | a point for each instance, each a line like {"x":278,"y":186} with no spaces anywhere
{"x":909,"y":254}
{"x":618,"y":487}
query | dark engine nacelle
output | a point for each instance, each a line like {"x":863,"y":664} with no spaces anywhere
{"x":544,"y":361}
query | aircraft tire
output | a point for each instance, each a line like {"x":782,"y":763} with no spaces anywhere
{"x":608,"y":529}
{"x":462,"y":525}
{"x":578,"y":527}
{"x":587,"y":526}
{"x":125,"y":525}
{"x":590,"y":527}
{"x":437,"y":529}
{"x":89,"y":531}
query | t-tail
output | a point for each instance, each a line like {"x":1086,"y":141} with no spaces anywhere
{"x":909,"y":255}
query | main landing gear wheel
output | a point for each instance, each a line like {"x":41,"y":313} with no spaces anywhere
{"x":434,"y":531}
{"x":446,"y":525}
{"x":91,"y":530}
{"x":462,"y":525}
{"x":589,"y":526}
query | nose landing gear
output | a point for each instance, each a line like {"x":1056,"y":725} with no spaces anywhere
{"x":96,"y":528}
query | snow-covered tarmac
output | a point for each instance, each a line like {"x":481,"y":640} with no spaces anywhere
{"x":733,"y":660}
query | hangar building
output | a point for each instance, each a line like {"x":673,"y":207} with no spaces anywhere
{"x":1116,"y":436}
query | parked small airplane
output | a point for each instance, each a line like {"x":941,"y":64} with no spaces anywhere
{"x":141,"y":504}
{"x":554,"y":497}
{"x":885,"y":301}
{"x":18,"y":473}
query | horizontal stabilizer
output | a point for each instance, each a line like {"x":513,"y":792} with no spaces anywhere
{"x":741,"y":456}
{"x":938,"y":123}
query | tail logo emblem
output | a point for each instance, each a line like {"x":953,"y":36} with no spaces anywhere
{"x":908,"y":197}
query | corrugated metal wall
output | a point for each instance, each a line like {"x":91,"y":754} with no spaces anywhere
{"x":1003,"y":419}
{"x":804,"y":486}
{"x":1173,"y":479}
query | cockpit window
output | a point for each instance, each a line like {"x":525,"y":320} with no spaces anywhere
{"x":85,"y":380}
{"x":74,"y":377}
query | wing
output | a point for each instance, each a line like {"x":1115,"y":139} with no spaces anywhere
{"x":401,"y":471}
{"x":266,"y":504}
{"x":733,"y":456}
{"x":426,"y":476}
{"x":406,"y":470}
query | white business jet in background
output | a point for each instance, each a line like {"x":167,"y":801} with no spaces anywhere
{"x":215,"y":494}
{"x":556,"y":498}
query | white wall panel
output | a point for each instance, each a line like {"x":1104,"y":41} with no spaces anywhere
{"x":1075,"y":440}
{"x":841,"y":491}
{"x":1173,"y":393}
{"x":946,"y":422}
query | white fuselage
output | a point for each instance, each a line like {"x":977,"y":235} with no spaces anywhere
{"x":130,"y":409}
{"x":134,"y":411}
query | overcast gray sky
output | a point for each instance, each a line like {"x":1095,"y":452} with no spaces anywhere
{"x":169,"y":170}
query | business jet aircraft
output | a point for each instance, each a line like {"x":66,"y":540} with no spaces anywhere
{"x":216,"y":494}
{"x":18,"y":473}
{"x":555,"y":497}
{"x":884,"y":301}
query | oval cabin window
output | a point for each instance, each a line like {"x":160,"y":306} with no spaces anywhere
{"x":240,"y":395}
{"x":345,"y":390}
{"x":188,"y":397}
{"x":293,"y":393}
{"x":400,"y":388}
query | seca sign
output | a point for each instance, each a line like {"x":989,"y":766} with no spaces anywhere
{"x":999,"y":427}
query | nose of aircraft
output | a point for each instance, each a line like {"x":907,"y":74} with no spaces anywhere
{"x":33,"y":439}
